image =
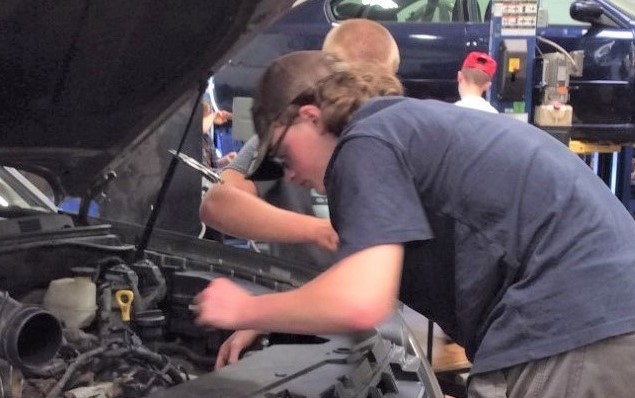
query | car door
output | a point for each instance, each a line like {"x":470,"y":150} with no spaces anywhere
{"x":430,"y":35}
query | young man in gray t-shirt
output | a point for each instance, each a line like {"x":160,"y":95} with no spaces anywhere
{"x":308,"y":207}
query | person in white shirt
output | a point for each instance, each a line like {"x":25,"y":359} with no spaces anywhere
{"x":475,"y":78}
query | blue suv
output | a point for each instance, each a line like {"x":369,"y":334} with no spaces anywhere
{"x":435,"y":35}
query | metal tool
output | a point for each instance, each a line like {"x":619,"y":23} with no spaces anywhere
{"x":206,"y":171}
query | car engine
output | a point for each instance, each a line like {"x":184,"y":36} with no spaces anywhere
{"x":107,"y":329}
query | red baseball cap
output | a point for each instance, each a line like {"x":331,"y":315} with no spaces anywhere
{"x":480,"y":61}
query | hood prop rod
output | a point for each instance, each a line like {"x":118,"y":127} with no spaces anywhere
{"x":169,"y":175}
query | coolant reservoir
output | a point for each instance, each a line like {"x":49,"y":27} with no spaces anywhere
{"x":72,"y":300}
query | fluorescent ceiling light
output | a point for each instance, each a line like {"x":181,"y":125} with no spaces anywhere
{"x":385,"y":4}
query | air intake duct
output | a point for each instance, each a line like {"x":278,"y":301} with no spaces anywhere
{"x":29,"y":336}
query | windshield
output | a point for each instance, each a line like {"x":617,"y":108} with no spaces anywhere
{"x":18,"y":195}
{"x":628,"y":6}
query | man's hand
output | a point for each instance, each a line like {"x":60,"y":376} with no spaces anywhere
{"x":324,"y":235}
{"x":226,"y":159}
{"x":222,"y":117}
{"x":235,"y":344}
{"x":221,"y":304}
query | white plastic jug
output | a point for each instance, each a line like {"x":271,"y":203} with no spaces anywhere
{"x":72,"y":300}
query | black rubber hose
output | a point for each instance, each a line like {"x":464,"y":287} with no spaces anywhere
{"x":198,"y":359}
{"x":79,"y":361}
{"x":51,"y":369}
{"x":151,"y":357}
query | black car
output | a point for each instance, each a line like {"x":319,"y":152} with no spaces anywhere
{"x":99,"y":303}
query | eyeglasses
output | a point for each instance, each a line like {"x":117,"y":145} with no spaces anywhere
{"x":272,"y":155}
{"x":273,"y":150}
{"x":302,"y":99}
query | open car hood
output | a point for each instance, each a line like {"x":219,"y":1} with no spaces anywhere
{"x":83,"y":82}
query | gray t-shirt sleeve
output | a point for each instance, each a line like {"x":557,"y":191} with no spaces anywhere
{"x":243,"y":160}
{"x":373,"y":198}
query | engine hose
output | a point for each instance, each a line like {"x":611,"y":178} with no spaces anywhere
{"x":51,"y":369}
{"x":152,"y":358}
{"x":81,"y":359}
{"x":107,"y":263}
{"x":138,"y":351}
{"x":198,"y":359}
{"x":104,"y":310}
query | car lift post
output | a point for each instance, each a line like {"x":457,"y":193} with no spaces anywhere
{"x":513,"y":44}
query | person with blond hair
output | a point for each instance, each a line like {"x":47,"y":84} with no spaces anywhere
{"x":363,"y":40}
{"x":293,"y":219}
{"x":484,"y":224}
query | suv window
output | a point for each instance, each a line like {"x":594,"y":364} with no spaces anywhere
{"x":430,"y":11}
{"x":17,"y":192}
{"x":558,"y":12}
{"x":485,"y":9}
{"x":628,"y":6}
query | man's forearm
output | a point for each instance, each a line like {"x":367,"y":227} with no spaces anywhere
{"x":346,"y":297}
{"x":238,"y":213}
{"x":289,"y":313}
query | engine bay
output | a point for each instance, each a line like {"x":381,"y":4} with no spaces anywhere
{"x":82,"y":314}
{"x":79,"y":319}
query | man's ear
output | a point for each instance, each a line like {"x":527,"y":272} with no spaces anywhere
{"x":312,"y":113}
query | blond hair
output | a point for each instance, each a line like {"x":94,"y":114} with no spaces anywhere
{"x":347,"y":89}
{"x":363,"y":40}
